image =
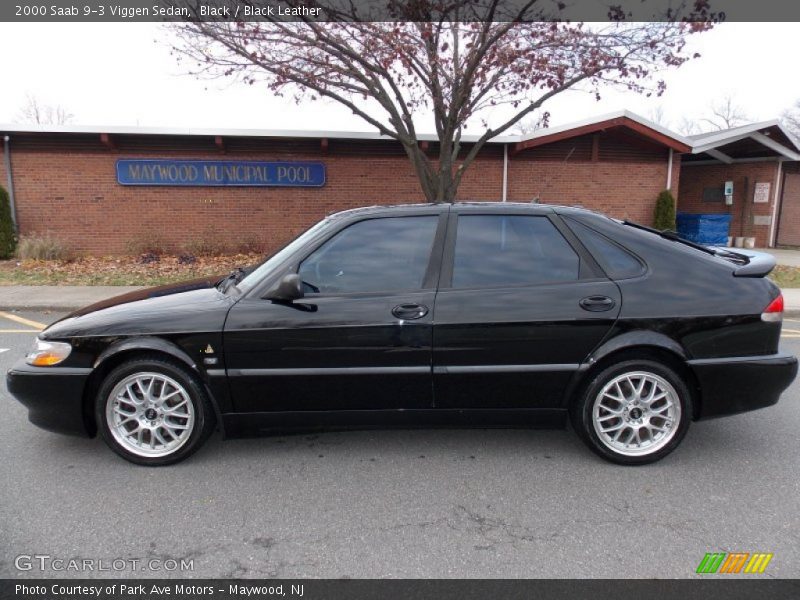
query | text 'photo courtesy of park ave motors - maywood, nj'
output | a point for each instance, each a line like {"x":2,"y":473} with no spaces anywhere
{"x":387,"y":299}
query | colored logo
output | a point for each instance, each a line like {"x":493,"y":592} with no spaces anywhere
{"x":734,"y":562}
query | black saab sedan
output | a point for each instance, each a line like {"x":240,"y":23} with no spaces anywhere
{"x":475,"y":314}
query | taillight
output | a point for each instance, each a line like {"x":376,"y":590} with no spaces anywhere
{"x":774,"y":311}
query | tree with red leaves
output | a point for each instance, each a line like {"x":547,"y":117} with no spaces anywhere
{"x":452,"y":59}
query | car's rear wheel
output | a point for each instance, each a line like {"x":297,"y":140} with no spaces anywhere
{"x":634,"y":412}
{"x":152,"y":411}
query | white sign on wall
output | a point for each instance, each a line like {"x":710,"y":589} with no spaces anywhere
{"x":762,"y":192}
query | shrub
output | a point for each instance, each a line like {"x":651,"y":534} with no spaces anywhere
{"x":208,"y":244}
{"x":251,"y":244}
{"x":41,"y":247}
{"x":149,"y":258}
{"x":664,"y":217}
{"x":148,"y":243}
{"x":8,"y":240}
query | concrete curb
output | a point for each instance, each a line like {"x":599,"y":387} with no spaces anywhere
{"x":57,"y":297}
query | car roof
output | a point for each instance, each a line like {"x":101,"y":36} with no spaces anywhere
{"x":461,"y":207}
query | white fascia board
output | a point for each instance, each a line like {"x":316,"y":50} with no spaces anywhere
{"x":703,"y":142}
{"x":606,"y":117}
{"x":342,"y":135}
{"x":776,"y":146}
{"x":192,"y":131}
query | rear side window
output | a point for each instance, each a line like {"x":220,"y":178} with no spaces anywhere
{"x":617,"y":262}
{"x":498,"y":250}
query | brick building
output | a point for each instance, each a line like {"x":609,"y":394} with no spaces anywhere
{"x":116,"y":190}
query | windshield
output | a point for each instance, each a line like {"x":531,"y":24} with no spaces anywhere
{"x":276,"y":259}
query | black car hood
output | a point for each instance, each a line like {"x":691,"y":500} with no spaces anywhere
{"x":187,"y":306}
{"x":146,"y":293}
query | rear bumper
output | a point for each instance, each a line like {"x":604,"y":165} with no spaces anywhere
{"x":52,"y":395}
{"x":734,"y":385}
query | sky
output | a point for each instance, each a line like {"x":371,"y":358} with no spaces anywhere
{"x":123,"y":74}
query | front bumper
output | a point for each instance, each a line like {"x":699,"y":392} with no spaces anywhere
{"x":734,"y":385}
{"x":53,"y":396}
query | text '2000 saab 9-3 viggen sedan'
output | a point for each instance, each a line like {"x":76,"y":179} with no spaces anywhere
{"x":464,"y":315}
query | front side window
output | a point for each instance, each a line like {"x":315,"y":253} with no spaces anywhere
{"x":375,"y":255}
{"x":498,"y":250}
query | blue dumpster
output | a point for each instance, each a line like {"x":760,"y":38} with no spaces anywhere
{"x":709,"y":230}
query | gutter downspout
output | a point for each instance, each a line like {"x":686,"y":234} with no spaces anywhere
{"x":773,"y":222}
{"x":7,"y":160}
{"x":669,"y":171}
{"x":505,"y":172}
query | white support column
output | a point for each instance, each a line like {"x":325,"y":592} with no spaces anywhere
{"x":505,"y":172}
{"x":669,"y":171}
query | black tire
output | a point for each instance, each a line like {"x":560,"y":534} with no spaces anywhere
{"x":583,"y":420}
{"x":198,"y":429}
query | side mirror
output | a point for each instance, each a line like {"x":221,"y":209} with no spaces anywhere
{"x":288,"y":289}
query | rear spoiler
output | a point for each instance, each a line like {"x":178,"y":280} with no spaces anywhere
{"x":755,"y":264}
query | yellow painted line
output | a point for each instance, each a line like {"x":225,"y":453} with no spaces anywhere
{"x":767,"y":558}
{"x":34,"y":331}
{"x":22,"y":320}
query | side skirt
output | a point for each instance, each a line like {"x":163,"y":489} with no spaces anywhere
{"x":254,"y":424}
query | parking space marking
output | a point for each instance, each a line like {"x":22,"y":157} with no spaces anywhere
{"x":791,"y":330}
{"x":22,"y":321}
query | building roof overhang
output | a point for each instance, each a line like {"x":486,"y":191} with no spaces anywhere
{"x":766,"y":140}
{"x":617,"y":120}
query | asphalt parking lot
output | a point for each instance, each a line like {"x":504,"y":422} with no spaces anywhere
{"x":402,"y":503}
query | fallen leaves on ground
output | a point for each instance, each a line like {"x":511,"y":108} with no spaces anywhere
{"x":120,"y":270}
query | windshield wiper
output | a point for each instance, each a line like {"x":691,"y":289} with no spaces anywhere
{"x":235,"y":277}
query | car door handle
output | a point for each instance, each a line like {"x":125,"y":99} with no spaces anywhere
{"x":409,"y":312}
{"x":597,"y":303}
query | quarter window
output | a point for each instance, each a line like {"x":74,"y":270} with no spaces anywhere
{"x":498,"y":250}
{"x":617,"y":262}
{"x":375,"y":255}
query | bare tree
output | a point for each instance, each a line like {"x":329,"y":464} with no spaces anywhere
{"x":37,"y":113}
{"x":531,"y":123}
{"x":688,"y":126}
{"x":658,"y":115}
{"x":724,"y":114}
{"x":454,"y":59}
{"x":791,"y":119}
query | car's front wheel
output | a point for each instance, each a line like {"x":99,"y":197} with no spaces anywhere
{"x":152,"y":411}
{"x":634,"y":412}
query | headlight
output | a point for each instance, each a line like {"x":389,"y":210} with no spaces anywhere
{"x":47,"y":354}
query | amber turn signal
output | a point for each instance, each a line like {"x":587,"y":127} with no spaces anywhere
{"x":47,"y":354}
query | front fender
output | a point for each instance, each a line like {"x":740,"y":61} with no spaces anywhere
{"x":139,"y":344}
{"x":146,"y":343}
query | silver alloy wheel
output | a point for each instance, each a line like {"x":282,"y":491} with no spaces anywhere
{"x":150,"y":414}
{"x":636,"y":413}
